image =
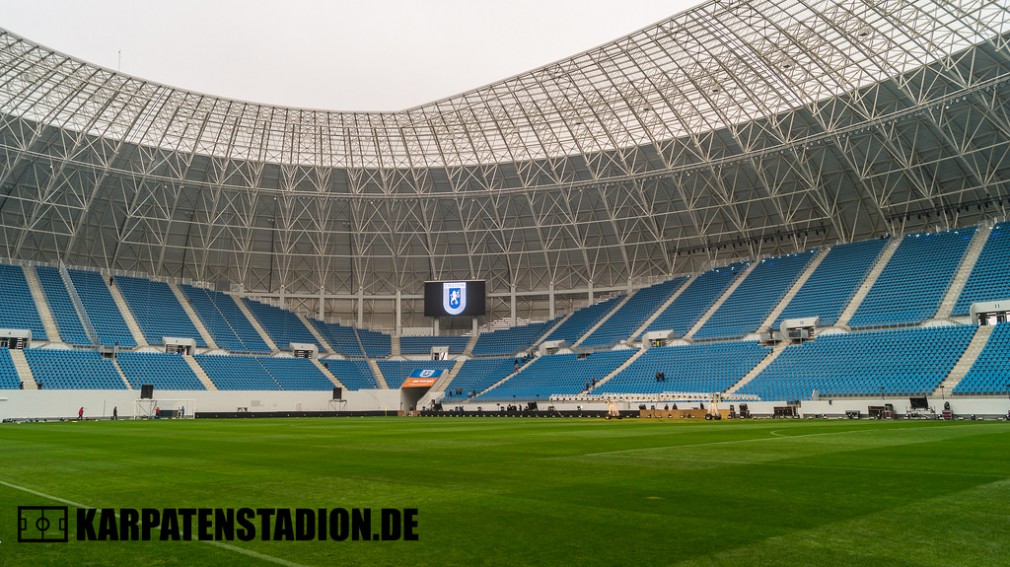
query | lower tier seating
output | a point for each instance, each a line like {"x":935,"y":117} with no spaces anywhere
{"x":708,"y":368}
{"x":903,"y":362}
{"x":558,"y":374}
{"x":73,"y":370}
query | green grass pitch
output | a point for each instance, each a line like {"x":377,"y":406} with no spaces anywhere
{"x":534,"y":491}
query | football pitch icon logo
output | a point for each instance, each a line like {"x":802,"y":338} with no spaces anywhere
{"x":42,"y":524}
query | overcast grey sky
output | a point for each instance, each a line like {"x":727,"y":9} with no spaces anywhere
{"x":335,"y":55}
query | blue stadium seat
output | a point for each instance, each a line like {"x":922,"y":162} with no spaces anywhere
{"x":73,"y":370}
{"x":903,"y":362}
{"x":694,"y":301}
{"x":423,"y":345}
{"x":758,"y":294}
{"x":162,"y":370}
{"x":835,"y":281}
{"x":990,"y":277}
{"x":478,"y":374}
{"x":101,"y":308}
{"x":377,"y":344}
{"x":63,"y":310}
{"x":237,"y":372}
{"x":223,"y":319}
{"x":990,"y":374}
{"x":17,"y":306}
{"x":284,"y":327}
{"x":582,"y":320}
{"x":343,"y":339}
{"x":157,"y":310}
{"x":295,"y":374}
{"x":913,"y":283}
{"x":9,"y":379}
{"x":630,"y":316}
{"x":511,"y":341}
{"x":708,"y":368}
{"x":557,"y":374}
{"x":353,"y":374}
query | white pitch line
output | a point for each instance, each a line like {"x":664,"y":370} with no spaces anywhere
{"x":239,"y":550}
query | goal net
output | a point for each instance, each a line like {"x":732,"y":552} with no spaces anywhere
{"x":175,"y":408}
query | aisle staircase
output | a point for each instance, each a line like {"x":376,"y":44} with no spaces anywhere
{"x":718,"y":303}
{"x":968,"y":358}
{"x":255,"y":323}
{"x":24,"y":371}
{"x":867,"y":285}
{"x":127,"y":314}
{"x":797,"y":286}
{"x":963,"y":271}
{"x":779,"y":349}
{"x":191,"y":313}
{"x":42,"y":304}
{"x":200,"y":373}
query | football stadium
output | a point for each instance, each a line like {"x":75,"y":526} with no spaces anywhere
{"x":728,"y":288}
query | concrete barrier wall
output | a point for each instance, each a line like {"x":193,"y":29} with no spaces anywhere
{"x":19,"y":404}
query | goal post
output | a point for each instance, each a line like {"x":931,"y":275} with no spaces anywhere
{"x":165,"y":408}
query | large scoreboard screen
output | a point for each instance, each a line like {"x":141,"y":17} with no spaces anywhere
{"x":449,"y":299}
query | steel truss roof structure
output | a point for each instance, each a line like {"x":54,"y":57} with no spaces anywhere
{"x":735,"y":129}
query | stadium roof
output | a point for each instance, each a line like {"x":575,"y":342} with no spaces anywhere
{"x":734,"y":129}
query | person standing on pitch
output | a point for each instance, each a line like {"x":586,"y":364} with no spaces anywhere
{"x":80,"y":414}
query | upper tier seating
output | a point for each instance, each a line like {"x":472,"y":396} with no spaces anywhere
{"x":511,"y":341}
{"x":478,"y":374}
{"x":62,"y":307}
{"x":224,"y":320}
{"x":283,"y":326}
{"x":583,"y":320}
{"x":101,"y":308}
{"x":758,"y":294}
{"x":557,"y":374}
{"x":396,"y":371}
{"x":343,"y":340}
{"x":835,"y":281}
{"x":903,"y":362}
{"x":73,"y":370}
{"x":353,"y":374}
{"x":157,"y":310}
{"x":913,"y":283}
{"x":990,"y":374}
{"x":17,"y":306}
{"x":990,"y":277}
{"x":161,"y":370}
{"x":423,"y":345}
{"x":694,"y":301}
{"x":630,"y":316}
{"x":707,"y":368}
{"x":377,"y":344}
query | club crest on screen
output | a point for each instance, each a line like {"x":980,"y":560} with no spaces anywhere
{"x":454,"y":297}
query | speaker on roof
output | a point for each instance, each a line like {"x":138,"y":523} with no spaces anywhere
{"x":146,"y":391}
{"x":337,"y":393}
